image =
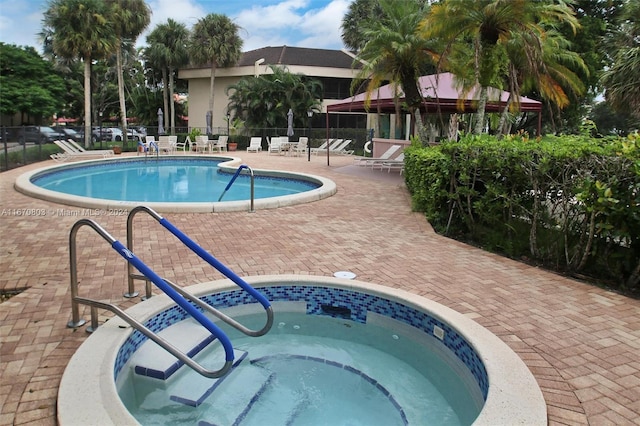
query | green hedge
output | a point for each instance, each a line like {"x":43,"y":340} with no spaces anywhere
{"x":570,"y":203}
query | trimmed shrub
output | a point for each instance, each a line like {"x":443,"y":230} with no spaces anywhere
{"x":570,"y":203}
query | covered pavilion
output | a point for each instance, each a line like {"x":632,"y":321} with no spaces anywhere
{"x":441,"y":94}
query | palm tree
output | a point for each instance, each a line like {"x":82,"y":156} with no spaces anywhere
{"x":544,"y":65}
{"x":251,"y":99}
{"x":622,"y":79}
{"x":168,"y":51}
{"x":360,"y":13}
{"x":488,"y":26}
{"x":215,"y":40}
{"x":395,"y":52}
{"x":129,"y":18}
{"x":80,"y":29}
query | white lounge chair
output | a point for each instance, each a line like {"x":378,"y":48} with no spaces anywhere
{"x":323,"y":148}
{"x":71,"y":152}
{"x":341,"y":148}
{"x":387,"y":155}
{"x":275,"y":145}
{"x":255,"y":144}
{"x":397,"y":163}
{"x":76,"y":145}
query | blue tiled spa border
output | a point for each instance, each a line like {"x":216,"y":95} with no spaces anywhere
{"x":316,"y":296}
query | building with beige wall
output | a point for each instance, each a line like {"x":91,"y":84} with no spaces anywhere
{"x":334,"y":68}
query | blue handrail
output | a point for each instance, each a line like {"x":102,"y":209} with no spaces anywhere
{"x":207,"y":257}
{"x":181,"y":301}
{"x":146,"y":148}
{"x":233,"y":179}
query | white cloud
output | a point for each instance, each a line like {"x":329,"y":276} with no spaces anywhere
{"x":21,"y":22}
{"x":186,"y":12}
{"x":290,"y":23}
{"x":323,"y":27}
{"x":304,"y":23}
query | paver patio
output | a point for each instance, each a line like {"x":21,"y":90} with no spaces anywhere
{"x":582,"y":343}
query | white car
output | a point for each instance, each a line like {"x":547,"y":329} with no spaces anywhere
{"x":133,"y":134}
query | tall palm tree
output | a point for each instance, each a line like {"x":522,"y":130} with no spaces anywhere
{"x":622,"y":79}
{"x":395,"y":52}
{"x":80,"y":29}
{"x":215,"y":40}
{"x":488,"y":25}
{"x":168,"y":51}
{"x":360,"y":13}
{"x":129,"y":19}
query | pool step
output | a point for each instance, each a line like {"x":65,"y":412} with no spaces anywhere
{"x":189,"y":336}
{"x":192,"y":389}
{"x":237,"y":394}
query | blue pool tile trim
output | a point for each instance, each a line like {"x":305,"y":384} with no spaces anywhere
{"x":315,"y":296}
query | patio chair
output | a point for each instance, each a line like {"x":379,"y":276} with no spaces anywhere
{"x":164,"y":145}
{"x":255,"y":144}
{"x":185,"y":146}
{"x":301,"y":146}
{"x":368,"y":161}
{"x":221,"y":144}
{"x":202,"y":143}
{"x":173,"y":141}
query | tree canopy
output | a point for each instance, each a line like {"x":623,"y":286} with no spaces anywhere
{"x":263,"y":101}
{"x":29,"y":83}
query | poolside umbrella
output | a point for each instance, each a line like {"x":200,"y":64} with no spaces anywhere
{"x":290,"y":123}
{"x":160,"y":120}
{"x":208,"y":120}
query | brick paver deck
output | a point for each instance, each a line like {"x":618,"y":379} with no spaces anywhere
{"x":582,"y":343}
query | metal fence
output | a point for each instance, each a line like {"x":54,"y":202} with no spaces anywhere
{"x":19,"y":148}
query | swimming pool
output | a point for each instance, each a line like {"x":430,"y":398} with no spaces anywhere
{"x":497,"y":382}
{"x":170,"y":184}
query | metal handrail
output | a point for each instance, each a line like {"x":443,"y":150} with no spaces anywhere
{"x":131,"y":258}
{"x":146,"y":148}
{"x":212,"y":374}
{"x":233,"y":179}
{"x":207,"y":257}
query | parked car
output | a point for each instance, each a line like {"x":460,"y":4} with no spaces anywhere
{"x":134,"y":135}
{"x":105,"y":134}
{"x":71,"y":134}
{"x":39,"y":134}
{"x":115,"y":133}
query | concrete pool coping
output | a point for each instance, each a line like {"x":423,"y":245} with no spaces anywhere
{"x":514,"y":396}
{"x":326,"y":189}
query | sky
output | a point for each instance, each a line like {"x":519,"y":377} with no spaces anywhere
{"x":300,"y":23}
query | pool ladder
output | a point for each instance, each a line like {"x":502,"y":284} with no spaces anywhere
{"x":233,"y":179}
{"x":185,"y":300}
{"x":146,"y":148}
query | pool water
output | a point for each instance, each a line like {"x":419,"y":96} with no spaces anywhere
{"x":164,"y":180}
{"x":314,"y":370}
